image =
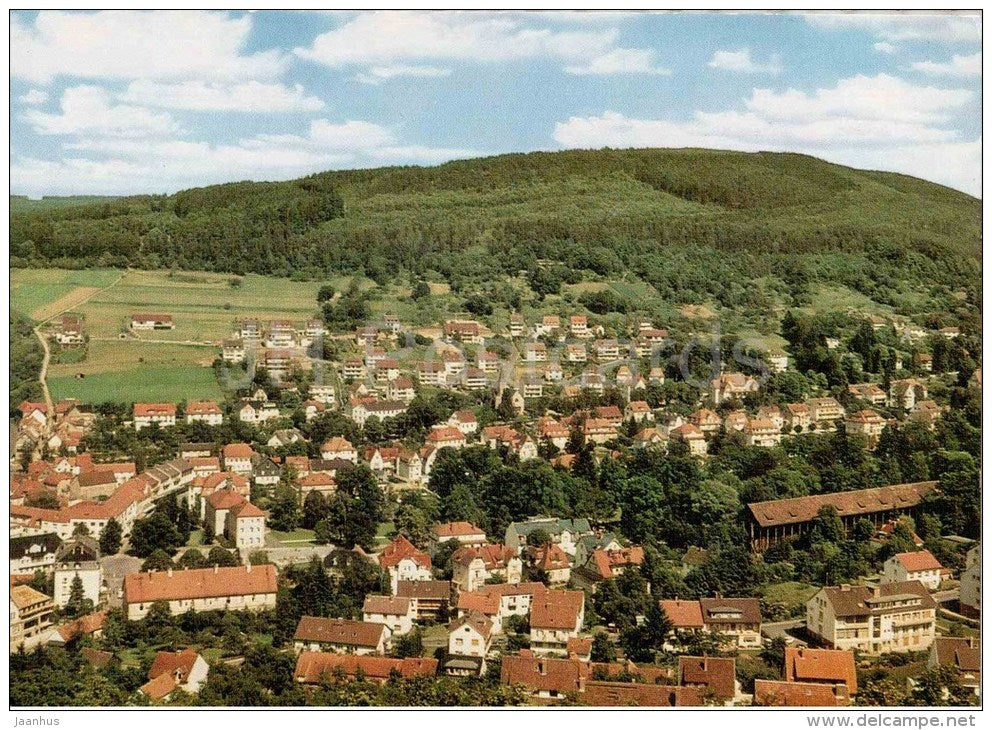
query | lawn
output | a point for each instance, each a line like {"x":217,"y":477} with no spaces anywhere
{"x":276,"y":538}
{"x":148,"y":382}
{"x":32,"y":289}
{"x":793,"y":595}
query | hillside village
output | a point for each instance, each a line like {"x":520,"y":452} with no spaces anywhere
{"x":558,"y":511}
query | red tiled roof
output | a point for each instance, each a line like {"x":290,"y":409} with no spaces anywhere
{"x":457,"y":529}
{"x":159,"y":687}
{"x":151,"y":317}
{"x":444,"y":433}
{"x":238,"y":451}
{"x":84,"y":625}
{"x":556,"y":609}
{"x":683,"y":614}
{"x":154,"y":409}
{"x":579,"y":645}
{"x":247,"y":509}
{"x":202,"y":407}
{"x":918,"y":561}
{"x":169,"y":662}
{"x":225,"y":499}
{"x":635,"y":694}
{"x":542,"y":674}
{"x":312,"y":666}
{"x":337,"y":443}
{"x":401,"y":549}
{"x":712,"y":673}
{"x":773,"y":693}
{"x":821,"y":665}
{"x":199,"y":583}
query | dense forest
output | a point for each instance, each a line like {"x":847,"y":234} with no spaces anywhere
{"x":669,"y":216}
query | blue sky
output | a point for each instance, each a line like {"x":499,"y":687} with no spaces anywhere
{"x":128,"y":102}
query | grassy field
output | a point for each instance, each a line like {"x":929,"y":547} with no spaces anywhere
{"x":149,"y":366}
{"x":32,"y":290}
{"x":296,"y":538}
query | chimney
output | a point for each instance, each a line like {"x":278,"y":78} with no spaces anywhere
{"x":876,"y":591}
{"x":248,"y":567}
{"x":216,"y":568}
{"x":845,"y":587}
{"x":170,"y":572}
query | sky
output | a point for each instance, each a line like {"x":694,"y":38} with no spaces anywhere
{"x":121,"y":102}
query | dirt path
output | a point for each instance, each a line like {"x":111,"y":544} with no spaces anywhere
{"x":73,"y":302}
{"x":43,"y":374}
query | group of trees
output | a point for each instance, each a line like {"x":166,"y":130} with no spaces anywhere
{"x":25,"y":356}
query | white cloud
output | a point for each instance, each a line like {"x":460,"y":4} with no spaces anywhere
{"x":406,"y":38}
{"x":905,"y":25}
{"x":863,"y":121}
{"x":34,"y":97}
{"x":122,"y":166}
{"x":160,"y":45}
{"x":620,"y":61}
{"x":88,"y":110}
{"x":389,"y":38}
{"x":881,"y":97}
{"x":378,"y":74}
{"x":957,"y":66}
{"x":741,"y":62}
{"x":250,"y":96}
{"x":885,"y":47}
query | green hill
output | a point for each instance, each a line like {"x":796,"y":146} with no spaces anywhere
{"x":24,"y":204}
{"x":695,"y":224}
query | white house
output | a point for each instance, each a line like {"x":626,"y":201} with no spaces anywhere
{"x":395,"y":612}
{"x":920,"y":565}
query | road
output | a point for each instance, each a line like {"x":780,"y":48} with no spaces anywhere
{"x":188,"y":343}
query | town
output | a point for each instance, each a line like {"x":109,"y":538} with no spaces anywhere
{"x":559,"y":510}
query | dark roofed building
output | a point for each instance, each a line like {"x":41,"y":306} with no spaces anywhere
{"x":769,"y":522}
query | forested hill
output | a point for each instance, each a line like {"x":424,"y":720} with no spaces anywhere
{"x":597,"y":210}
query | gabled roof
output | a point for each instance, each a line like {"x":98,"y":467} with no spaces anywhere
{"x":964,"y":654}
{"x":862,"y":600}
{"x":821,"y":665}
{"x":238,"y":451}
{"x":477,"y":620}
{"x":556,"y":609}
{"x":457,"y":529}
{"x":313,"y":666}
{"x":386,"y":605}
{"x":439,"y":590}
{"x":683,"y":614}
{"x":863,"y":501}
{"x":773,"y":693}
{"x":714,"y":673}
{"x":199,"y":583}
{"x":87,"y":624}
{"x":918,"y":561}
{"x":741,"y":610}
{"x":339,"y":631}
{"x":402,"y":549}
